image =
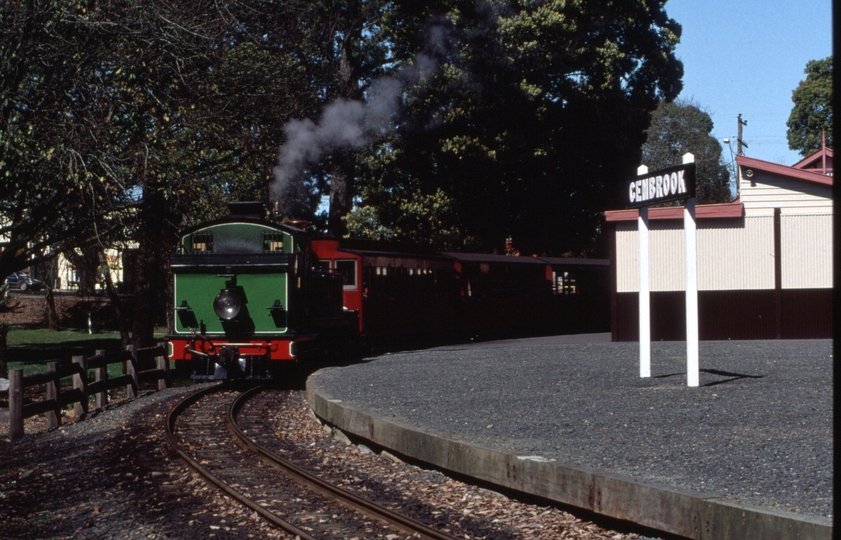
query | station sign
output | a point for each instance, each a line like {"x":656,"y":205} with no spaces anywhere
{"x":671,"y":184}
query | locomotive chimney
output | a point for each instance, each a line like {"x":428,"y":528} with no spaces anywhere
{"x":247,"y":209}
{"x":297,"y":223}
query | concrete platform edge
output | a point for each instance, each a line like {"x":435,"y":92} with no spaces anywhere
{"x":689,"y":514}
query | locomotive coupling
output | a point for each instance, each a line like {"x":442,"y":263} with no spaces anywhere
{"x":230,"y":361}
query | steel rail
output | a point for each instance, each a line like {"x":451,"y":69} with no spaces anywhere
{"x":180,"y":407}
{"x":314,"y":483}
{"x":345,"y":497}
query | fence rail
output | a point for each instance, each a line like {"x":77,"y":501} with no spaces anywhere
{"x":140,"y":365}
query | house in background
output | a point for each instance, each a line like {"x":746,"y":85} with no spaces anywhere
{"x":764,"y":259}
{"x":66,"y":275}
{"x":60,"y":274}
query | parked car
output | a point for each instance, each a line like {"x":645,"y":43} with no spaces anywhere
{"x":19,"y":280}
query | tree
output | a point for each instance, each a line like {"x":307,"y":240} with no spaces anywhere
{"x":677,"y":128}
{"x":54,"y":169}
{"x":533,"y":115}
{"x":316,"y":156}
{"x":214,"y":85}
{"x":811,"y":115}
{"x":126,"y":121}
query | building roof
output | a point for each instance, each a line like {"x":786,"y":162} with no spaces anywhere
{"x":806,"y":175}
{"x":820,"y":162}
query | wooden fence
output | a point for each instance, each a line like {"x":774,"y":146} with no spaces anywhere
{"x":136,"y":370}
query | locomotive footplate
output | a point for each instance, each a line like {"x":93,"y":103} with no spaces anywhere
{"x":210,"y":358}
{"x":229,"y":364}
{"x":226,"y":362}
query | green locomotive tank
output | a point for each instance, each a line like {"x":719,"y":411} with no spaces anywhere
{"x":248,"y":299}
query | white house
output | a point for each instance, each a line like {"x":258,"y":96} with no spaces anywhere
{"x":764,"y":259}
{"x":66,"y":278}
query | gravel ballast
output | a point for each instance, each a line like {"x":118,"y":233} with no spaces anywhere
{"x":113,"y":476}
{"x":758,"y":429}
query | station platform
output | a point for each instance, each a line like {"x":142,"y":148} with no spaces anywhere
{"x":746,"y":454}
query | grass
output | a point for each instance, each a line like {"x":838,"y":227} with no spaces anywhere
{"x":31,"y":349}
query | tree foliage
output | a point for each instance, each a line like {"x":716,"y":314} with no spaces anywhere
{"x":811,"y":115}
{"x":680,"y":127}
{"x":55,"y":168}
{"x":127,"y":121}
{"x":532,"y":116}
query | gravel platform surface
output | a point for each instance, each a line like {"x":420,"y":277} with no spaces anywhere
{"x":758,"y":429}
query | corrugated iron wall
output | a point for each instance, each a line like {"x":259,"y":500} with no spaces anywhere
{"x":807,"y":251}
{"x":736,"y":254}
{"x":733,"y":254}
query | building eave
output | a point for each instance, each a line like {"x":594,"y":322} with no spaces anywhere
{"x":734,"y":209}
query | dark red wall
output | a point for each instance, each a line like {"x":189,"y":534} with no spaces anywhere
{"x":765,"y":314}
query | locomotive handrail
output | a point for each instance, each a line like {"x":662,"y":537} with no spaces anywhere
{"x":212,"y":261}
{"x":260,"y":344}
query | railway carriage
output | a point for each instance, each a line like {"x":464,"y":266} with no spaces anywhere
{"x":407,"y":298}
{"x":580,"y":294}
{"x":399,"y":297}
{"x":502,"y":296}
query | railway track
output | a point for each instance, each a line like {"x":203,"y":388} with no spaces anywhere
{"x":208,"y":433}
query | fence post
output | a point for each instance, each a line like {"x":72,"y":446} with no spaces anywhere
{"x":80,"y":382}
{"x":131,"y":369}
{"x":163,"y":363}
{"x":53,"y":416}
{"x":101,"y":374}
{"x":15,"y":404}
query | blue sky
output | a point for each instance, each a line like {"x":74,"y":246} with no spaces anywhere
{"x":747,"y":56}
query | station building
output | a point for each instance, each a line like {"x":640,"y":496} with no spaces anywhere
{"x":764,"y":259}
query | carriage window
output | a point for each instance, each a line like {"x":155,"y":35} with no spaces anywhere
{"x":324,"y":266}
{"x":272,"y":241}
{"x":203,"y":242}
{"x":347,"y":269}
{"x":564,"y":283}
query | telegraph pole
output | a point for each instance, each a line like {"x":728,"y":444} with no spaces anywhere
{"x":739,"y":142}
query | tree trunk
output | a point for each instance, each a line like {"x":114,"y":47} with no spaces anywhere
{"x":53,"y":322}
{"x":4,"y":334}
{"x":111,"y":291}
{"x":155,"y":243}
{"x":86,"y":264}
{"x":143,"y":325}
{"x":339,"y":201}
{"x":340,"y":196}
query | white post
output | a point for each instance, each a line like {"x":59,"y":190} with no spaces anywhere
{"x":690,"y":242}
{"x":645,"y":286}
